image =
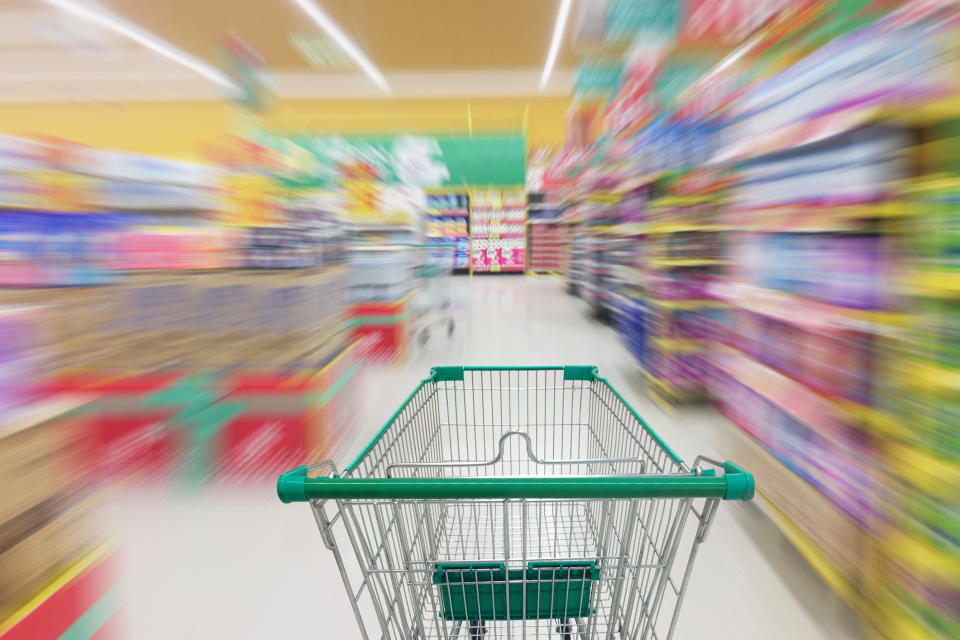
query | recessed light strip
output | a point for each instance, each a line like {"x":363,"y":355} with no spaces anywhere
{"x":558,"y":29}
{"x":93,"y":13}
{"x":330,"y":27}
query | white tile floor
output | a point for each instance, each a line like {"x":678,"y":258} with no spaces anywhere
{"x":239,"y":564}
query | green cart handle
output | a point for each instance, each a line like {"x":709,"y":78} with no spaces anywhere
{"x":735,"y":484}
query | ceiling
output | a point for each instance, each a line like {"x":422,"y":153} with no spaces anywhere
{"x":398,"y":35}
{"x":421,"y":46}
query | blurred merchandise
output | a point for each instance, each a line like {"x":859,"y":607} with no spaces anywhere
{"x":46,"y":514}
{"x":546,"y":235}
{"x":547,"y":246}
{"x":197,"y":285}
{"x":448,"y":225}
{"x":279,"y":418}
{"x":775,"y":230}
{"x":498,"y":231}
{"x":24,"y":355}
{"x":88,"y":594}
{"x":380,"y":273}
{"x":381,"y":328}
{"x":755,"y":204}
{"x":315,"y":241}
{"x":382,"y":284}
{"x":234,"y":427}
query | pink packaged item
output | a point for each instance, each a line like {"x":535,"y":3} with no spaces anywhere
{"x":23,"y":357}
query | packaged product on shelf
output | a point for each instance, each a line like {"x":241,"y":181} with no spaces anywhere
{"x":380,"y":275}
{"x":838,"y":463}
{"x":25,"y":354}
{"x":837,"y":364}
{"x":842,"y":540}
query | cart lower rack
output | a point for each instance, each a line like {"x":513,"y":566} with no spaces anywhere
{"x":516,"y":503}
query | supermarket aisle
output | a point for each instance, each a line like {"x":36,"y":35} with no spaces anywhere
{"x":239,"y":564}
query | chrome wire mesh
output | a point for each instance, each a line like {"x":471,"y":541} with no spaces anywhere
{"x":517,"y":423}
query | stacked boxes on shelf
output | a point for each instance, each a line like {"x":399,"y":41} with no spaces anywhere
{"x":382,"y":278}
{"x":575,"y":273}
{"x":594,"y":242}
{"x":199,"y":321}
{"x":448,"y":224}
{"x":498,"y":231}
{"x":547,"y":246}
{"x":683,"y":254}
{"x":47,"y":236}
{"x":546,"y":237}
{"x":607,"y":251}
{"x":630,"y":308}
{"x":24,"y":356}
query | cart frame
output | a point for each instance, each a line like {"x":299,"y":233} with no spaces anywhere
{"x":516,"y":502}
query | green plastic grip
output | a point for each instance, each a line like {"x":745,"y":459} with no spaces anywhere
{"x":446,"y":374}
{"x":585,"y":373}
{"x":291,"y":486}
{"x":735,"y":484}
{"x":740,"y":483}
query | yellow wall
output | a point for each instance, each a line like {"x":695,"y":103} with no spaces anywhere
{"x":179,"y":129}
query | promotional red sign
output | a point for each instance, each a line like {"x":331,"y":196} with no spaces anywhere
{"x":256,"y":445}
{"x":140,"y":444}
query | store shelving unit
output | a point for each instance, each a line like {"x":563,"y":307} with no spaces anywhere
{"x":684,"y":253}
{"x":546,"y":246}
{"x":798,"y":372}
{"x":822,"y":373}
{"x":498,"y":234}
{"x":546,"y":236}
{"x":915,"y":414}
{"x":824,"y":320}
{"x":590,"y":272}
{"x":448,"y":223}
{"x":211,"y":271}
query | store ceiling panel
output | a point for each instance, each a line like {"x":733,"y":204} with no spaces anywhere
{"x":398,"y":35}
{"x":426,"y":48}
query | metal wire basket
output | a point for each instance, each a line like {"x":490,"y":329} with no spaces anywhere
{"x":524,"y":502}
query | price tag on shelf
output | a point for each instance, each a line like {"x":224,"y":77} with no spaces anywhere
{"x":495,"y":268}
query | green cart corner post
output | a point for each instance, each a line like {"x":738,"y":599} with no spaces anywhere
{"x":525,"y":501}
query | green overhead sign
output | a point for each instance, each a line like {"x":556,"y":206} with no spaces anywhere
{"x":413,"y":160}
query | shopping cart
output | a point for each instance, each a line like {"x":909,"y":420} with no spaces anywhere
{"x":516,"y":502}
{"x":433,"y":302}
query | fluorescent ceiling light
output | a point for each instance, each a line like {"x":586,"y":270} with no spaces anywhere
{"x":330,"y":27}
{"x":731,"y":58}
{"x":558,"y":29}
{"x":98,"y":15}
{"x":720,"y":67}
